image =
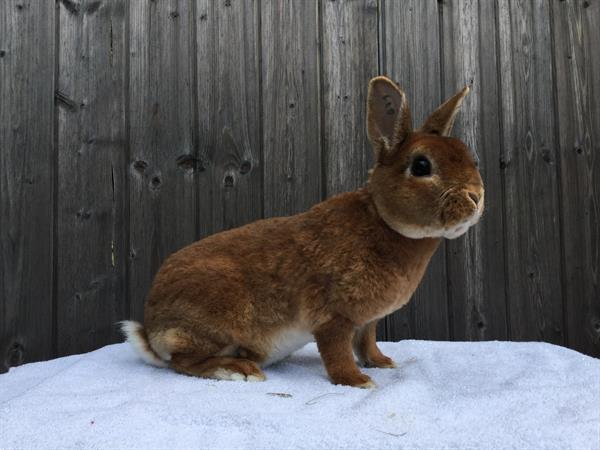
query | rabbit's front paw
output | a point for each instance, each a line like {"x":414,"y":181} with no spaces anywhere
{"x":382,"y":362}
{"x":359,"y":380}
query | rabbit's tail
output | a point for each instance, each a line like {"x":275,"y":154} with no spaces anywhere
{"x":136,"y":335}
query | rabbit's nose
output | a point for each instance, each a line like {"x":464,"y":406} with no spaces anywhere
{"x":475,"y":197}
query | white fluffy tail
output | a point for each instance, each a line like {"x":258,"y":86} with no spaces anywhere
{"x":136,"y":335}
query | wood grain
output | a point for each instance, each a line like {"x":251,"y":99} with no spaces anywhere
{"x":529,"y":162}
{"x":576,"y":28}
{"x":348,"y":61}
{"x":476,"y":261}
{"x":410,"y":55}
{"x":26,"y":181}
{"x":163,"y":188}
{"x":230,"y":173}
{"x":290,"y":103}
{"x":91,"y":228}
{"x":130,"y":129}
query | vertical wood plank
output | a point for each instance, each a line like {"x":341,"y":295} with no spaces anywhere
{"x":529,"y":154}
{"x":476,"y":260}
{"x":230,"y":173}
{"x":411,"y":57}
{"x":348,"y":61}
{"x":91,"y":231}
{"x":576,"y":33}
{"x":162,"y":132}
{"x":26,"y":181}
{"x":291,"y":114}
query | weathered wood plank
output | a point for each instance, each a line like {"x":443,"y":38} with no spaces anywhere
{"x":178,"y":119}
{"x":91,"y":230}
{"x":348,"y":61}
{"x":26,"y":181}
{"x":476,"y":260}
{"x":290,"y":103}
{"x":162,"y":138}
{"x":230,"y":165}
{"x":529,"y":152}
{"x":410,"y":56}
{"x":576,"y":34}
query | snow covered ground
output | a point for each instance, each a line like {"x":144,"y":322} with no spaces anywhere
{"x":442,"y":395}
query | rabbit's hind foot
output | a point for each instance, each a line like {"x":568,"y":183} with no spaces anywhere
{"x":218,"y":368}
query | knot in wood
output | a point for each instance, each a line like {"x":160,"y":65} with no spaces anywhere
{"x":156,"y":182}
{"x":140,"y":165}
{"x":228,"y":181}
{"x":71,"y":6}
{"x":93,"y":7}
{"x":546,"y":155}
{"x":83,"y":214}
{"x":245,"y":167}
{"x":186,"y":162}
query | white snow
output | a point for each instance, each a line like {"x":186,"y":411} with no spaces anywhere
{"x":442,"y":395}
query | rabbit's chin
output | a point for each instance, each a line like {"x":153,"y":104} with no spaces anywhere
{"x":459,"y":230}
{"x":448,"y":232}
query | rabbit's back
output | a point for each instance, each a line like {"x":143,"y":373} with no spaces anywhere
{"x":263,"y":272}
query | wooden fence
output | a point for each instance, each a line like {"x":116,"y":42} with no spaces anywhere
{"x":131,"y":128}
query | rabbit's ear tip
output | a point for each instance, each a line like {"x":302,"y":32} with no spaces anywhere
{"x":382,"y":79}
{"x":383,"y":82}
{"x":379,"y":79}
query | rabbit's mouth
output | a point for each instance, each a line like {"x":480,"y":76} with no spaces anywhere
{"x":461,"y":211}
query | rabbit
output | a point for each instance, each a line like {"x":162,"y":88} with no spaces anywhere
{"x":228,"y":305}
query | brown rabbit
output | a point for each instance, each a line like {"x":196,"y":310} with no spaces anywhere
{"x":239,"y":300}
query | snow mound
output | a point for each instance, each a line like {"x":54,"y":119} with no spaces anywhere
{"x":442,"y":395}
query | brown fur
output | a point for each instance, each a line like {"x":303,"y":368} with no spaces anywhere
{"x":333,"y":271}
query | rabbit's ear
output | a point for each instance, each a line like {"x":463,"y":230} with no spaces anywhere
{"x":388,"y":117}
{"x":442,"y":119}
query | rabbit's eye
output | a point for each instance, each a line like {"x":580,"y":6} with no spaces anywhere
{"x":421,"y":167}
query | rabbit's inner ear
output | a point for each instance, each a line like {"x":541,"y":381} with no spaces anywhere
{"x":442,"y":119}
{"x":388,"y":117}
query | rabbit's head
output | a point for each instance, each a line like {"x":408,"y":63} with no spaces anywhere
{"x":424,"y":183}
